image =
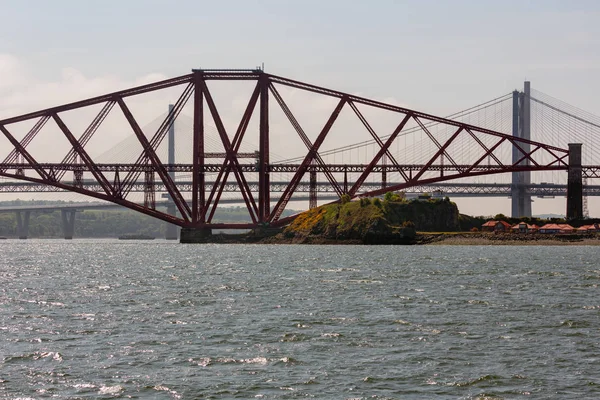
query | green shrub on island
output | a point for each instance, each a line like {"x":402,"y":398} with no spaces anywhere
{"x":373,"y":221}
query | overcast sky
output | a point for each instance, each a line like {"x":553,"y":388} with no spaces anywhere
{"x":435,"y":56}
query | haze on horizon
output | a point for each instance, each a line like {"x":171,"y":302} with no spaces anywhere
{"x":434,"y":56}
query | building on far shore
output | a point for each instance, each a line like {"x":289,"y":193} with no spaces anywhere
{"x":557,"y":228}
{"x":523,"y":227}
{"x":496,"y":226}
{"x":588,"y":228}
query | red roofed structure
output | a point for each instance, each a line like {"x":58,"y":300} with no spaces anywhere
{"x":523,"y":227}
{"x":489,"y":225}
{"x":557,"y":228}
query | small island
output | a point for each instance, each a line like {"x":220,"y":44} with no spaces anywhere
{"x":393,"y":220}
{"x":424,"y":220}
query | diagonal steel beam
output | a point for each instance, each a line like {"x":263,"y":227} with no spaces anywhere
{"x":21,"y":150}
{"x":528,"y":155}
{"x":385,"y":106}
{"x":487,"y":153}
{"x":441,"y":150}
{"x":380,"y":153}
{"x":161,"y":132}
{"x":239,"y":175}
{"x":444,"y":178}
{"x":228,"y":162}
{"x":286,"y":110}
{"x":484,"y":146}
{"x":87,"y":135}
{"x":125,"y":203}
{"x":558,"y":159}
{"x":287,"y":194}
{"x":434,"y":140}
{"x":378,"y":140}
{"x":102,"y":99}
{"x":174,"y":192}
{"x":12,"y":156}
{"x":78,"y":148}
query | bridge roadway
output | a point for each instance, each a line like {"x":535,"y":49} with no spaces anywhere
{"x":588,"y":171}
{"x":323,"y":190}
{"x":81,"y":206}
{"x":446,"y":189}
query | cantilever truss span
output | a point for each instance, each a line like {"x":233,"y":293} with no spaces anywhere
{"x":462,"y":150}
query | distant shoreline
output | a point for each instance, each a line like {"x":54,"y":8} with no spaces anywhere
{"x":483,"y":239}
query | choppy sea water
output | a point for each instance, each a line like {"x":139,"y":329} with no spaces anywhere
{"x":158,"y":320}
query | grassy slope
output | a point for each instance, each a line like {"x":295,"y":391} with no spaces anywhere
{"x":356,"y":219}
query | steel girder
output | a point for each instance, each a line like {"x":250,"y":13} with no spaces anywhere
{"x":589,"y":171}
{"x":123,"y":178}
{"x":445,"y":189}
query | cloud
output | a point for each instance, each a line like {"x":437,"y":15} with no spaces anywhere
{"x":21,"y":92}
{"x":11,"y":72}
{"x":27,"y":93}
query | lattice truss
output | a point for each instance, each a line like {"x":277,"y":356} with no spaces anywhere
{"x":263,"y":137}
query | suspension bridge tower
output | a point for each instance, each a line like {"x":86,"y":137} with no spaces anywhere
{"x":521,"y":127}
{"x":171,"y":230}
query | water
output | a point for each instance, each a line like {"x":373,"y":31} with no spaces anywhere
{"x":157,"y":320}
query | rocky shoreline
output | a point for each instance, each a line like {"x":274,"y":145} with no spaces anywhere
{"x":422,"y":238}
{"x":508,"y":239}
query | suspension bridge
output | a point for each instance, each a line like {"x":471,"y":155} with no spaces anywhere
{"x":267,"y":139}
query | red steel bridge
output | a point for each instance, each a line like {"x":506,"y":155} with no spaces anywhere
{"x":279,"y":117}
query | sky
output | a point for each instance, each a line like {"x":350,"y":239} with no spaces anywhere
{"x":434,"y":56}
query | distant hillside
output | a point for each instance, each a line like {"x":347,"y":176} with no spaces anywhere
{"x":102,"y":223}
{"x":549,"y":216}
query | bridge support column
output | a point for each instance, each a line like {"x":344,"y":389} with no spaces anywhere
{"x":68,"y":223}
{"x":264,"y":185}
{"x":520,"y":198}
{"x":194,"y":235}
{"x":312,"y":190}
{"x":170,"y":229}
{"x":23,"y":224}
{"x":574,"y":183}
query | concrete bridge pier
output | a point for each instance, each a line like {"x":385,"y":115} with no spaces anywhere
{"x":574,"y":183}
{"x":171,"y":230}
{"x":68,"y":223}
{"x":23,"y":224}
{"x":521,"y":127}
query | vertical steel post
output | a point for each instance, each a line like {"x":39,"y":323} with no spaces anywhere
{"x":345,"y":180}
{"x":198,"y":189}
{"x":384,"y":171}
{"x":149,"y":190}
{"x":171,"y":229}
{"x":264,"y":201}
{"x":574,"y":183}
{"x":312,"y":189}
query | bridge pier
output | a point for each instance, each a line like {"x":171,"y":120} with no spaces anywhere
{"x":194,"y":235}
{"x":574,"y":183}
{"x":521,"y":127}
{"x":170,"y":229}
{"x":23,"y":224}
{"x":68,"y":223}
